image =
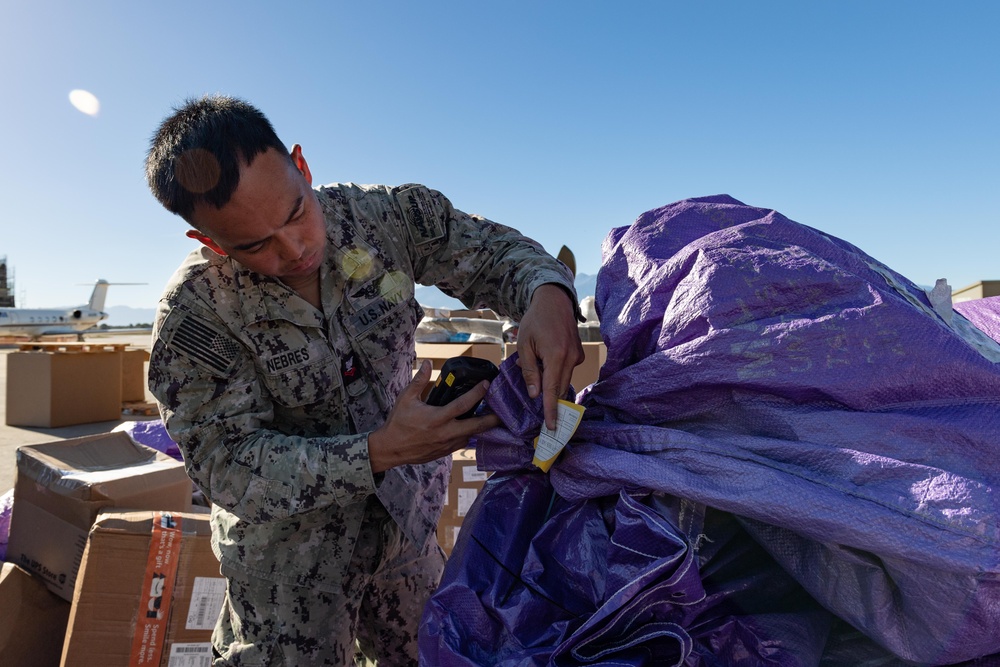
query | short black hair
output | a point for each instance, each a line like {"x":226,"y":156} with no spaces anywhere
{"x":196,"y":154}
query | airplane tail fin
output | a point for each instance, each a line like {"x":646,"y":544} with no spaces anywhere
{"x":98,"y":296}
{"x":100,"y":293}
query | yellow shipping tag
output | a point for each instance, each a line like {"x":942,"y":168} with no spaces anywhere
{"x":550,"y":443}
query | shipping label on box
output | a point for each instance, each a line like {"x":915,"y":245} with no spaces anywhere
{"x":149,"y":592}
{"x":464,"y":486}
{"x":465,"y":499}
{"x":448,"y":536}
{"x":60,"y":487}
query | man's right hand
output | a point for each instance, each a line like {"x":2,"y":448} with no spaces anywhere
{"x":416,"y":432}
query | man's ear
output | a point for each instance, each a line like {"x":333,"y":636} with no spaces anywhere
{"x":301,"y":164}
{"x":198,"y":236}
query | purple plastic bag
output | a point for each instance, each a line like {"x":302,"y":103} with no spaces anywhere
{"x":515,"y":591}
{"x":766,"y":370}
{"x":6,"y":507}
{"x":152,"y":433}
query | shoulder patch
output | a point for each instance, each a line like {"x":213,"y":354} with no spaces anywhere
{"x":425,"y":215}
{"x":203,"y":343}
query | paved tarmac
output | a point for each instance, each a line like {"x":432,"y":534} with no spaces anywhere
{"x":12,"y":437}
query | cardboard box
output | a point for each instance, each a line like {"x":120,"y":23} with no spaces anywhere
{"x":32,"y":620}
{"x":433,"y":312}
{"x":149,"y":589}
{"x":588,"y":372}
{"x":438,"y":353}
{"x":590,"y":332}
{"x":60,"y":487}
{"x":134,"y":375}
{"x":485,"y":314}
{"x":451,"y":330}
{"x":463,"y":488}
{"x":595,"y":354}
{"x":61,"y":388}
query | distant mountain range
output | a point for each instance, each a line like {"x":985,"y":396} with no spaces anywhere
{"x":127,"y":316}
{"x":432,"y":296}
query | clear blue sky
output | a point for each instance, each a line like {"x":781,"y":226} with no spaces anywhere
{"x":876,"y":122}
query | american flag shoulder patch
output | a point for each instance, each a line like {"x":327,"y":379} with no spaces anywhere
{"x":204,"y":344}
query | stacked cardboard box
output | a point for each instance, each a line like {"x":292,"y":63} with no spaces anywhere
{"x":62,"y":384}
{"x":61,"y":388}
{"x":60,"y":487}
{"x":587,"y":373}
{"x":446,"y":313}
{"x":134,"y":374}
{"x":438,"y":353}
{"x":463,"y":488}
{"x":72,"y":540}
{"x":149,"y":592}
{"x":32,"y":620}
{"x":483,"y":313}
{"x":466,"y":481}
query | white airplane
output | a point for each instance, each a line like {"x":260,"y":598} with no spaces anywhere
{"x":37,"y":322}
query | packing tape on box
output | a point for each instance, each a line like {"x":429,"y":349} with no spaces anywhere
{"x":157,"y":590}
{"x":99,"y":476}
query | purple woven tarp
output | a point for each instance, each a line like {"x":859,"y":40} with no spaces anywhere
{"x":761,"y":371}
{"x":152,"y":433}
{"x":984,"y":314}
{"x":6,"y":505}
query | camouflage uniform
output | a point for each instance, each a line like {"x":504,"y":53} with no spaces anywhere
{"x":271,"y":403}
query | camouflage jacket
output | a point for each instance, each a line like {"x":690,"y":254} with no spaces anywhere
{"x":271,"y":401}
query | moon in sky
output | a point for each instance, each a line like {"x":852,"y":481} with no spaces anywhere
{"x":85,"y":102}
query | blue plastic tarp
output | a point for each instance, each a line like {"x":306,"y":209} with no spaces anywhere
{"x":792,"y":436}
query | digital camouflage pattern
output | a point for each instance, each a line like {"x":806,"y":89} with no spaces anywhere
{"x":385,"y":588}
{"x":271,"y":401}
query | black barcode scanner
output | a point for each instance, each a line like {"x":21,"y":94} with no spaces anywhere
{"x":459,"y":375}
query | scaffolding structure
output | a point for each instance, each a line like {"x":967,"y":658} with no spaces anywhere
{"x":6,"y":286}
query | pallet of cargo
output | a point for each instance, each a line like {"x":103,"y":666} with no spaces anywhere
{"x":71,"y":347}
{"x":140,"y":408}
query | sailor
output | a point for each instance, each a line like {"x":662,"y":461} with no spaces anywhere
{"x":282,"y":362}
